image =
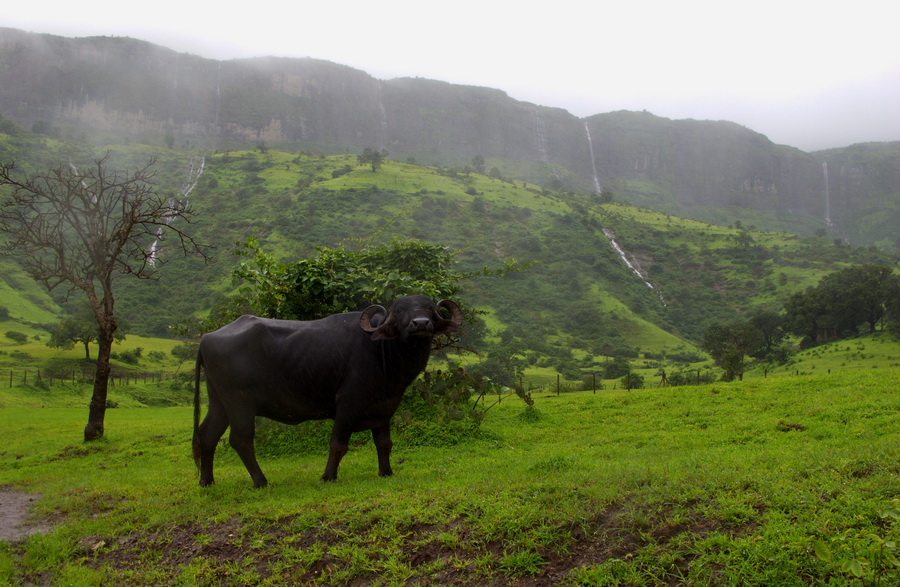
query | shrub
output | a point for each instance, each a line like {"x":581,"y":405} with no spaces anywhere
{"x":131,"y":356}
{"x":691,"y":377}
{"x":342,"y":171}
{"x":618,"y":367}
{"x":633,"y":381}
{"x":18,"y":337}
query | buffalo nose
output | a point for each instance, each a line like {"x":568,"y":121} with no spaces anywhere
{"x":420,"y":324}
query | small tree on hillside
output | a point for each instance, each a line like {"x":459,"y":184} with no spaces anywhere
{"x":729,"y":344}
{"x":79,"y":327}
{"x":79,"y":230}
{"x":771,"y":326}
{"x":372,"y":158}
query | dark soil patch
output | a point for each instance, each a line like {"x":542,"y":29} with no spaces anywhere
{"x":268,"y":548}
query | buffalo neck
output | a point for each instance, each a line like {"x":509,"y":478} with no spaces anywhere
{"x":406,"y":357}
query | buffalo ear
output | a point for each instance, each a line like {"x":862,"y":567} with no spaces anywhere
{"x":456,"y":317}
{"x":376,"y":321}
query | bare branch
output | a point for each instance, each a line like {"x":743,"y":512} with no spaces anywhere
{"x":79,"y":228}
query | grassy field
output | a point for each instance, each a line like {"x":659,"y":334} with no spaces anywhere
{"x":786,"y":480}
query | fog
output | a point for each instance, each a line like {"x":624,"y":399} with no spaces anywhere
{"x":803,"y":73}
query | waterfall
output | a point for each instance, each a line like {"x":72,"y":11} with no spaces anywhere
{"x":382,"y":136}
{"x":541,"y":135}
{"x":83,"y":184}
{"x":631,"y":263}
{"x":597,"y":187}
{"x":218,"y":95}
{"x":828,"y":221}
{"x":193,"y":176}
{"x":194,"y":172}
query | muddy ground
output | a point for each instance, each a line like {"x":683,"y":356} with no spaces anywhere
{"x":15,"y":506}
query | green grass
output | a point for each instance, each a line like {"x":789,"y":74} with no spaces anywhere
{"x":781,"y":481}
{"x":870,"y":352}
{"x":24,"y":299}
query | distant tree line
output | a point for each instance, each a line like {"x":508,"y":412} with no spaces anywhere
{"x":843,"y":304}
{"x":845,"y":301}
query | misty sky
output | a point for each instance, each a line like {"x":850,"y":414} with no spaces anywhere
{"x":808,"y":74}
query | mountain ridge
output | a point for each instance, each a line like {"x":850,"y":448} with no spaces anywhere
{"x":719,"y":171}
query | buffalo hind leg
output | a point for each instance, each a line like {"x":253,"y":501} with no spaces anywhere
{"x":383,"y":444}
{"x":208,"y":434}
{"x":241,"y":440}
{"x":337,"y":448}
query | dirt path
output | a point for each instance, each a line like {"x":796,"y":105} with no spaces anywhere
{"x":14,"y":508}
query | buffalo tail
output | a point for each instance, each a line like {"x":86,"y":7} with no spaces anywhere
{"x":196,"y":441}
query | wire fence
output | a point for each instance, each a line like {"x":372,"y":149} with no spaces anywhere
{"x":16,"y":377}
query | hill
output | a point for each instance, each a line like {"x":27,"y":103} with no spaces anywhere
{"x":609,"y":279}
{"x":109,"y":89}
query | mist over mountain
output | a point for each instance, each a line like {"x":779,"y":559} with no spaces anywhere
{"x":107,"y":89}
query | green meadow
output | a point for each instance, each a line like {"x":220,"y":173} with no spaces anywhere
{"x":778,"y":480}
{"x":789,"y":477}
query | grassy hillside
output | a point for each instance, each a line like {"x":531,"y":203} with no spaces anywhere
{"x":26,"y":302}
{"x":578,"y":305}
{"x":788,"y":480}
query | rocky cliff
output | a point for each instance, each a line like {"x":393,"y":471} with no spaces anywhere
{"x":142,"y":92}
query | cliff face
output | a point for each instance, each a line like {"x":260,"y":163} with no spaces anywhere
{"x":707,"y":163}
{"x":144,"y":92}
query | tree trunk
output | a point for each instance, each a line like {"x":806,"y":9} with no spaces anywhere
{"x":97,"y":408}
{"x":87,"y":351}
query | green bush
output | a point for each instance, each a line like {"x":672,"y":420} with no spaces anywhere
{"x":18,"y":337}
{"x":130,"y":356}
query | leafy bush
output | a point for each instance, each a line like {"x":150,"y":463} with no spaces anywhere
{"x":341,"y":279}
{"x":342,"y":171}
{"x":691,"y":377}
{"x":130,"y":356}
{"x":21,"y":356}
{"x":616,"y":368}
{"x":633,"y":381}
{"x":186,"y":351}
{"x":18,"y":337}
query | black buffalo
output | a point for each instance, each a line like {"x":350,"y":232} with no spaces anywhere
{"x":352,"y":368}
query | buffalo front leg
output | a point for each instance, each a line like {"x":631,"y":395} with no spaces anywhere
{"x":241,"y":439}
{"x":337,"y":448}
{"x":383,"y":444}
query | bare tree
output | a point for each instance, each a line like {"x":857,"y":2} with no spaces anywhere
{"x":80,"y":229}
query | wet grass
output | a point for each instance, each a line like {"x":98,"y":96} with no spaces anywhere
{"x":784,"y":480}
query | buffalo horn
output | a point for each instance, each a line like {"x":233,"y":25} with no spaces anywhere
{"x":456,"y":315}
{"x":365,"y":321}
